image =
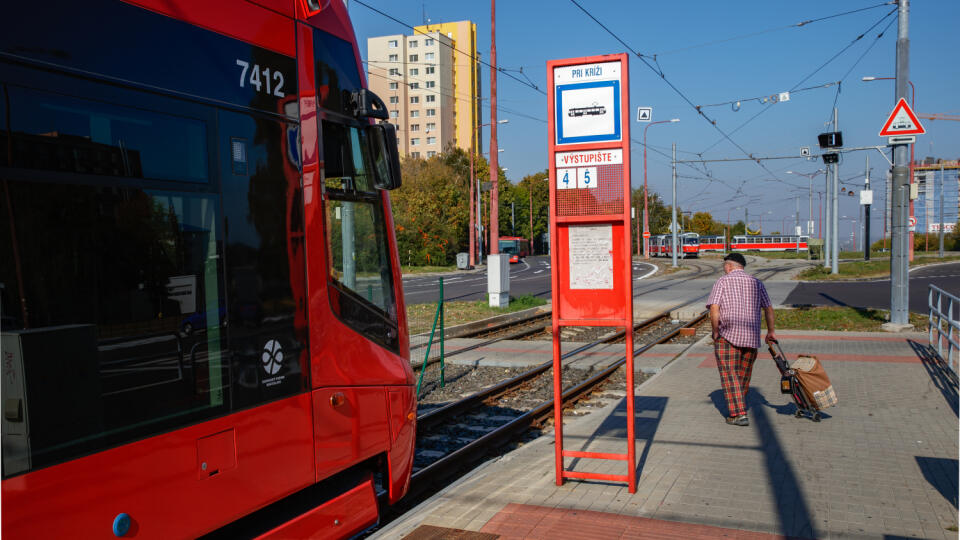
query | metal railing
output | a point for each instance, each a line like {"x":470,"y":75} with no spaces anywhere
{"x":947,"y":324}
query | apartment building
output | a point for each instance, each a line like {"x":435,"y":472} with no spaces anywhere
{"x":430,"y":83}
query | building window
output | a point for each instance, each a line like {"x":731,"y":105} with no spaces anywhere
{"x":431,"y":140}
{"x":415,"y":154}
{"x":431,"y":112}
{"x":395,"y":72}
{"x":431,"y":98}
{"x":414,"y":114}
{"x":393,"y":86}
{"x":412,"y":44}
{"x":394,"y":99}
{"x":431,"y":70}
{"x":392,"y":44}
{"x":414,"y":58}
{"x":428,"y":56}
{"x":414,"y":127}
{"x":427,"y":42}
{"x":394,"y":114}
{"x":431,"y":125}
{"x":414,"y":141}
{"x":431,"y":153}
{"x":414,"y":72}
{"x":414,"y":85}
{"x":431,"y":84}
{"x":414,"y":99}
{"x":394,"y":58}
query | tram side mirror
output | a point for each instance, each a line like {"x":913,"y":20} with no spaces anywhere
{"x":366,"y":104}
{"x":386,"y":158}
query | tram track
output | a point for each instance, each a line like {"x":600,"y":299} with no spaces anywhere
{"x":541,"y":322}
{"x":439,"y":470}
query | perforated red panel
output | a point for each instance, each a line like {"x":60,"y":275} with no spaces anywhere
{"x":605,"y":199}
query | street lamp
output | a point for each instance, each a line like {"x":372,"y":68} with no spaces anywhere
{"x":475,"y":201}
{"x":646,"y":222}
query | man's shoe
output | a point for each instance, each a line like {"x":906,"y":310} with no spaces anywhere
{"x":738,"y":420}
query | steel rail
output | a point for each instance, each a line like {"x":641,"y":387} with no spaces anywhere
{"x":700,"y":271}
{"x":442,"y":468}
{"x":438,"y":415}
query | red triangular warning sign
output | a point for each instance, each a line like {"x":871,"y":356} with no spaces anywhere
{"x":902,"y":121}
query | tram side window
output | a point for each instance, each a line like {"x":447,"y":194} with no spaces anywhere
{"x":360,"y":267}
{"x":59,"y":133}
{"x":101,"y":277}
{"x":109,"y":276}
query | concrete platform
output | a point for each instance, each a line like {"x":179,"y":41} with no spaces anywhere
{"x":882,"y":464}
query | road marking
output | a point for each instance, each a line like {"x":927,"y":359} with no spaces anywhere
{"x":650,"y":273}
{"x":538,"y":271}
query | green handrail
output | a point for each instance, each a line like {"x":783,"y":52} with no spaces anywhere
{"x":426,"y":356}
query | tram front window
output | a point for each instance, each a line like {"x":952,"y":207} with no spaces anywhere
{"x":359,"y":255}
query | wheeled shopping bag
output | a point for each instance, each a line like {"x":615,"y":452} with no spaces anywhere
{"x":806,"y":380}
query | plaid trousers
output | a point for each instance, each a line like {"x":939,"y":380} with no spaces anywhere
{"x":735,"y":365}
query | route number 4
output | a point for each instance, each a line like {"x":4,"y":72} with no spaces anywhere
{"x":270,"y":84}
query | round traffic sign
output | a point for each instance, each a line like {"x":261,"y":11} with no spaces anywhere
{"x":646,"y":234}
{"x":912,"y":221}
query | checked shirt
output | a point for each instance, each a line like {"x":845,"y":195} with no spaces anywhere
{"x":740,"y":297}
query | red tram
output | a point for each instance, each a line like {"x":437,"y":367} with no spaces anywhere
{"x":769,"y":243}
{"x":713,"y":243}
{"x":203,"y":327}
{"x":661,"y":245}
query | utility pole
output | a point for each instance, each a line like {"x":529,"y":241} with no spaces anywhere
{"x":943,"y":184}
{"x":899,"y":264}
{"x":530,"y":192}
{"x":796,"y":224}
{"x":827,"y":224}
{"x":494,"y":166}
{"x":513,"y":222}
{"x":674,"y":212}
{"x":866,"y":215}
{"x":835,"y":245}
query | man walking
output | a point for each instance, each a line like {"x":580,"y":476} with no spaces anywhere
{"x":735,"y":303}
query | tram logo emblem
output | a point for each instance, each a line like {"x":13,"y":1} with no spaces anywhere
{"x":272,"y":357}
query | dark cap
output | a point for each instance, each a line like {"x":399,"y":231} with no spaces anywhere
{"x":737,"y":258}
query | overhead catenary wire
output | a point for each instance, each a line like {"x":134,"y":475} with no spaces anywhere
{"x":800,"y":24}
{"x":475,"y":58}
{"x":812,"y":73}
{"x":672,"y":86}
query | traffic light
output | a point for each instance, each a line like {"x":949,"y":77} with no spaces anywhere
{"x":832,"y":139}
{"x":830,"y":158}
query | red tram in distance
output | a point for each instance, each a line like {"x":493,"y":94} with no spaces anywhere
{"x":713,"y":243}
{"x":203,"y":327}
{"x":774,"y":242}
{"x":661,"y":245}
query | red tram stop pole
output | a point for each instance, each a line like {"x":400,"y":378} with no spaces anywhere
{"x":590,"y":225}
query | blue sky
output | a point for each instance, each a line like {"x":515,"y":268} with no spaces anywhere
{"x":716,"y":52}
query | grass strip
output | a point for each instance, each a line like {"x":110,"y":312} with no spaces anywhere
{"x":839,"y":319}
{"x":874,"y":268}
{"x":420,"y":316}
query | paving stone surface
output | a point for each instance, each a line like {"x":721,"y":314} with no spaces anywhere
{"x":882,"y":464}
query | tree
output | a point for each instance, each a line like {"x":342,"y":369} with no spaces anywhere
{"x":431,"y":209}
{"x":703,"y":224}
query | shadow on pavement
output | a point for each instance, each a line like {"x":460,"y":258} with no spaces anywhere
{"x":941,"y":473}
{"x":792,"y":510}
{"x":648,"y":411}
{"x":940,"y":373}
